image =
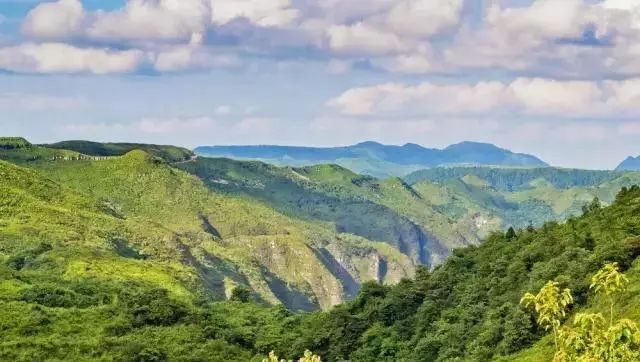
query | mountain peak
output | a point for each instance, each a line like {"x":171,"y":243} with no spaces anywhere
{"x":629,"y":164}
{"x":471,"y":145}
{"x":369,"y":144}
{"x":412,"y":146}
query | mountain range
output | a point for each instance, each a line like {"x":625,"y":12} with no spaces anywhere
{"x":128,"y":245}
{"x":376,"y":159}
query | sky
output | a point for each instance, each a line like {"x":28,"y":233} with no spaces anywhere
{"x":559,"y":79}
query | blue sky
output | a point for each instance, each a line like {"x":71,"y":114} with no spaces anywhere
{"x":556,"y":78}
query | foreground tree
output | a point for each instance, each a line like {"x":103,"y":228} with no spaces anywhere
{"x":551,"y":305}
{"x":593,"y":338}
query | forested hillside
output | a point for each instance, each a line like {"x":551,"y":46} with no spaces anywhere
{"x":129,"y":258}
{"x":468,"y":308}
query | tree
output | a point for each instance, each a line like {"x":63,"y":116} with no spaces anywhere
{"x":590,"y":339}
{"x":610,"y":281}
{"x":594,"y":206}
{"x":241,"y":294}
{"x":511,"y":234}
{"x":551,"y":305}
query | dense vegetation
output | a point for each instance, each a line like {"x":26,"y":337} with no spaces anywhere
{"x":168,"y":153}
{"x":10,"y":143}
{"x":131,"y":258}
{"x":517,"y":179}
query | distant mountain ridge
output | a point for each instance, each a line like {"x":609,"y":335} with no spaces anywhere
{"x":376,"y":159}
{"x":630,"y":164}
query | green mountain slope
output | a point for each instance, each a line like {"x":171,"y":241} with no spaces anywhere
{"x":468,"y":308}
{"x":502,"y":197}
{"x":389,"y":211}
{"x":228,"y":240}
{"x":132,"y":257}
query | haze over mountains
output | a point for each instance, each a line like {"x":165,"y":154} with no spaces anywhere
{"x":376,"y":159}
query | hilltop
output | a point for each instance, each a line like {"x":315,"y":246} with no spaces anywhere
{"x":10,"y":143}
{"x":168,"y":153}
{"x":376,"y":159}
{"x":629,"y":164}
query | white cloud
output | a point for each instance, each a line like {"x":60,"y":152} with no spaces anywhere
{"x":410,"y":63}
{"x":55,"y":20}
{"x":150,"y":20}
{"x":64,"y":58}
{"x":404,"y":27}
{"x":265,"y":13}
{"x":392,"y":98}
{"x":190,"y":57}
{"x":422,"y":18}
{"x":362,"y":38}
{"x":621,"y":4}
{"x":543,"y":96}
{"x":546,"y":37}
{"x":527,"y":96}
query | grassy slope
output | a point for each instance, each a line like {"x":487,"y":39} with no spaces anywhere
{"x":241,"y":242}
{"x":56,"y":241}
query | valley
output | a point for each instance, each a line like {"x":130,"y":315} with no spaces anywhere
{"x":141,"y":239}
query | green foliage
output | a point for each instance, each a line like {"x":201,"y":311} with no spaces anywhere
{"x":10,"y":143}
{"x":609,"y":280}
{"x":590,"y":339}
{"x":240,"y":294}
{"x":550,"y":304}
{"x":167,"y":153}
